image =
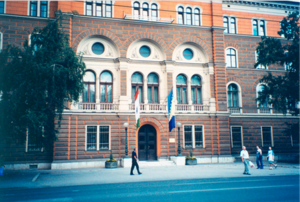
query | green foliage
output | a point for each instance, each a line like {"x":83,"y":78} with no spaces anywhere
{"x":36,"y":81}
{"x":282,"y":92}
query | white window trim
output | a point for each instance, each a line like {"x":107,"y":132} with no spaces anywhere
{"x":236,"y":55}
{"x":103,"y":9}
{"x":229,"y":24}
{"x":1,"y":41}
{"x":272,"y":139}
{"x":184,"y":17}
{"x":193,"y":10}
{"x":257,"y":104}
{"x":39,"y":9}
{"x":242,"y":135}
{"x":258,"y":26}
{"x":98,"y":138}
{"x":239,"y":94}
{"x":4,"y":9}
{"x":193,"y":136}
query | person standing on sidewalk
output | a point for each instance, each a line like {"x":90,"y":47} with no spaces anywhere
{"x":271,"y":158}
{"x":259,"y":158}
{"x":134,"y":163}
{"x":245,"y":159}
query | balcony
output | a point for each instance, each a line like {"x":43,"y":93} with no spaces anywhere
{"x":264,"y":110}
{"x":150,"y":107}
{"x":98,"y":106}
{"x":234,"y":110}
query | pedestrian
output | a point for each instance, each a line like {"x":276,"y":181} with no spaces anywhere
{"x":245,"y":159}
{"x":259,"y":158}
{"x":134,"y":163}
{"x":271,"y":158}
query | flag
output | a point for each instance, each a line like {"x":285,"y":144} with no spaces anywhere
{"x":171,"y":111}
{"x":137,"y":108}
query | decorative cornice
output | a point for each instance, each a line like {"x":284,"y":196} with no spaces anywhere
{"x":265,"y":4}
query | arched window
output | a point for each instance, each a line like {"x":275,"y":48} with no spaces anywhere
{"x":153,"y":88}
{"x":89,"y":83}
{"x":262,"y":28}
{"x":136,"y":9}
{"x":233,"y":95}
{"x":106,"y":85}
{"x":260,"y":89}
{"x":137,"y":83}
{"x":196,"y":89}
{"x":232,"y":26}
{"x":145,"y":11}
{"x":180,"y":16}
{"x":189,"y":16}
{"x":154,"y":12}
{"x":197,"y":17}
{"x":181,"y":85}
{"x":225,"y":24}
{"x":231,"y":58}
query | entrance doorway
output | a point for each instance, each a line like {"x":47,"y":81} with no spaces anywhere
{"x":147,"y":143}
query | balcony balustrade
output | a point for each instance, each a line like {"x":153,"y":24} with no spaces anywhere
{"x":98,"y":106}
{"x":265,"y":110}
{"x":148,"y":18}
{"x":234,"y":110}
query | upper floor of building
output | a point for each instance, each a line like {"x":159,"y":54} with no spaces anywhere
{"x":258,"y":18}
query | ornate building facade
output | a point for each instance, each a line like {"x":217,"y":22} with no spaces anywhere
{"x":204,"y":50}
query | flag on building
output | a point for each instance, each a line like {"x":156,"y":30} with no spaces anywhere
{"x":171,"y":111}
{"x":137,"y":108}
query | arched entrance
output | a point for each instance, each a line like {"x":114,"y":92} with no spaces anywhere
{"x":147,"y":143}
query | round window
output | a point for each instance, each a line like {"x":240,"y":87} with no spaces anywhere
{"x":98,"y":48}
{"x":188,"y":54}
{"x":145,"y":51}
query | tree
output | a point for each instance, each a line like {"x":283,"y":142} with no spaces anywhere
{"x":36,"y":81}
{"x":282,"y":91}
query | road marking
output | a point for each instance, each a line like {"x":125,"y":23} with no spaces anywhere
{"x":219,"y":182}
{"x":224,"y":189}
{"x":36,"y":177}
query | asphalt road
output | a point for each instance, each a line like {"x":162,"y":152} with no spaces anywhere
{"x":252,"y":189}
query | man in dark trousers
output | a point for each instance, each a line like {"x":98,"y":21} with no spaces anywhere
{"x":134,"y":163}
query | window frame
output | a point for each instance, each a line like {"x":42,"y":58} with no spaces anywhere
{"x":98,"y":138}
{"x":30,"y":8}
{"x":197,"y":14}
{"x":153,"y":85}
{"x":136,"y":10}
{"x":259,"y":66}
{"x":267,"y":100}
{"x":271,"y":133}
{"x":194,"y":137}
{"x":242,"y":136}
{"x":180,"y":13}
{"x":39,"y":148}
{"x":106,"y":84}
{"x":145,"y":17}
{"x":1,"y":41}
{"x":107,"y":5}
{"x":97,"y":5}
{"x":233,"y":25}
{"x":237,"y":95}
{"x":4,"y":6}
{"x":196,"y":87}
{"x":104,"y":8}
{"x":181,"y":86}
{"x":154,"y":18}
{"x":89,"y":84}
{"x":258,"y":27}
{"x":190,"y":14}
{"x":230,"y":55}
{"x":137,"y":85}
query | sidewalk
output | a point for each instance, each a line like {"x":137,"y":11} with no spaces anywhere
{"x":57,"y":178}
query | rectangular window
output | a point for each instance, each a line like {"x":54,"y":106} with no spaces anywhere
{"x":1,"y":6}
{"x":108,"y":8}
{"x":236,"y":137}
{"x":267,"y":136}
{"x":99,"y":8}
{"x":34,"y":142}
{"x":89,"y":8}
{"x":33,"y":8}
{"x":44,"y":9}
{"x":255,"y":27}
{"x":232,"y":26}
{"x":97,"y":138}
{"x":193,"y":136}
{"x":256,"y":59}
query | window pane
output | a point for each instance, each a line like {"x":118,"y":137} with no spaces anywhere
{"x":193,"y":95}
{"x":262,"y":28}
{"x":267,"y":139}
{"x":188,"y":54}
{"x":156,"y":94}
{"x":106,"y":77}
{"x":189,"y":18}
{"x":108,"y":11}
{"x":44,"y":6}
{"x":153,"y":78}
{"x":178,"y":96}
{"x":150,"y":95}
{"x":91,"y":138}
{"x":1,"y":6}
{"x":232,"y":26}
{"x":104,"y":137}
{"x":196,"y":80}
{"x":198,"y":136}
{"x":102,"y":93}
{"x":236,"y":136}
{"x":92,"y":93}
{"x":137,"y":78}
{"x":109,"y":93}
{"x":184,"y":96}
{"x":198,"y":95}
{"x":141,"y":94}
{"x":85,"y":93}
{"x":254,"y":26}
{"x":181,"y":80}
{"x":133,"y":93}
{"x":99,"y":10}
{"x":225,"y":24}
{"x":188,"y":140}
{"x":89,"y":77}
{"x":33,"y":8}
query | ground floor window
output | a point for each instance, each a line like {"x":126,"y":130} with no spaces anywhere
{"x":34,"y":141}
{"x":193,"y":136}
{"x":236,"y":136}
{"x":97,"y":138}
{"x":267,"y":136}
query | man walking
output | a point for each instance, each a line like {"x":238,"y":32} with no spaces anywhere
{"x":259,"y":158}
{"x":134,"y":163}
{"x":245,"y":159}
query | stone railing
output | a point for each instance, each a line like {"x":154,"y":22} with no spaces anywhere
{"x":265,"y":110}
{"x":148,"y":18}
{"x":234,"y":110}
{"x":98,"y":106}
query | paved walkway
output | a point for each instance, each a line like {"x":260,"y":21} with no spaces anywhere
{"x":57,"y":178}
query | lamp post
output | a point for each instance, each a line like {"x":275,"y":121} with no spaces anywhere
{"x":179,"y":149}
{"x":126,"y":145}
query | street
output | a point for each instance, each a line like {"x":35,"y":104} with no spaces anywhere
{"x":252,"y":188}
